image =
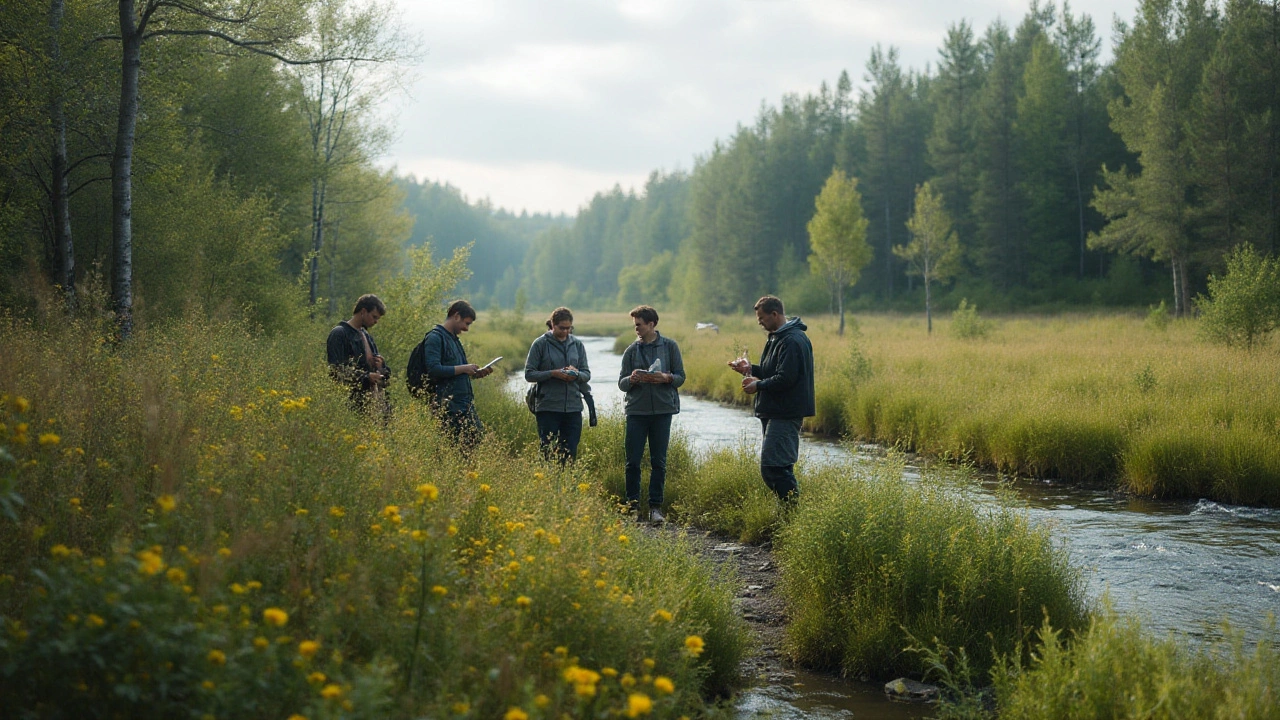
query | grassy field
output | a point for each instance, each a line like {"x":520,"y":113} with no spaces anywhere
{"x":207,"y":530}
{"x":1082,"y":398}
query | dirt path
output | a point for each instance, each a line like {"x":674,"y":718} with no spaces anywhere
{"x":756,"y":600}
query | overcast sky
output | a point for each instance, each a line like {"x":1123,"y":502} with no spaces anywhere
{"x":539,"y":104}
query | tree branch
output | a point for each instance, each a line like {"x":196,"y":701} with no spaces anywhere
{"x":87,"y":183}
{"x":252,"y":46}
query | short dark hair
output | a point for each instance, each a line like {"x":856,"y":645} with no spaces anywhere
{"x":461,"y":307}
{"x":559,"y":315}
{"x":644,"y":313}
{"x":369,"y":302}
{"x":769,"y":305}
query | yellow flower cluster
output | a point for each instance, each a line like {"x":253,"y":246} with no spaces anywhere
{"x":694,"y":645}
{"x":149,"y":562}
{"x":583,"y":680}
{"x":291,"y":404}
{"x":275,"y":616}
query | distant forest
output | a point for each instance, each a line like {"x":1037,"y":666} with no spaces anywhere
{"x":190,"y":156}
{"x":1070,"y":182}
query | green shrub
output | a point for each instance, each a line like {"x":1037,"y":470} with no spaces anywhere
{"x":1157,"y":317}
{"x":965,"y":323}
{"x":1114,"y":669}
{"x":1243,"y":306}
{"x":871,"y":560}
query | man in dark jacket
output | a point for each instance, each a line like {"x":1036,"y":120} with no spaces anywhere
{"x":783,"y":387}
{"x":451,"y":375}
{"x":354,"y":360}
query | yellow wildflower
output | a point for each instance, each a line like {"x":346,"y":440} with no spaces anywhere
{"x":261,"y":643}
{"x":307,"y":648}
{"x":316,"y":678}
{"x":166,"y":503}
{"x":238,"y":589}
{"x":301,"y":512}
{"x":49,"y":439}
{"x":253,"y":585}
{"x":694,"y":645}
{"x":224,"y":552}
{"x":538,"y":476}
{"x":60,"y":551}
{"x":493,"y":510}
{"x":429,"y":491}
{"x":661,"y":616}
{"x":440,"y":590}
{"x":624,"y":539}
{"x":453,"y":530}
{"x":663,"y":684}
{"x":583,"y":487}
{"x":208,"y":685}
{"x":472,"y":475}
{"x":149,"y":562}
{"x":176,"y":576}
{"x":524,"y":601}
{"x":275,"y":616}
{"x":21,"y":404}
{"x":649,"y":663}
{"x":330,"y":692}
{"x":515,"y":713}
{"x":484,"y":488}
{"x":609,"y":672}
{"x":337,"y":512}
{"x":390,"y":511}
{"x":296,"y":716}
{"x":94,"y":621}
{"x":542,"y":701}
{"x":461,"y":708}
{"x":217,"y":657}
{"x":638,"y":704}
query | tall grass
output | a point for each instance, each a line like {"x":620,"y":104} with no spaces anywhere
{"x":872,"y":562}
{"x":1082,"y":398}
{"x":1115,"y":669}
{"x":179,"y":487}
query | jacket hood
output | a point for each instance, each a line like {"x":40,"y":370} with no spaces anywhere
{"x":793,"y":324}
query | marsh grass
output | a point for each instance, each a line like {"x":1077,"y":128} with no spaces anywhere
{"x":1082,"y":398}
{"x":871,"y":561}
{"x":1113,"y":668}
{"x":178,"y":487}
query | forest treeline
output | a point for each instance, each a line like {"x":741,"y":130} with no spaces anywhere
{"x":1070,"y":181}
{"x":199,"y":154}
{"x":222,"y":156}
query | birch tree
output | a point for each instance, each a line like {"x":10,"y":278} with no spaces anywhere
{"x":838,"y":237}
{"x":934,"y":250}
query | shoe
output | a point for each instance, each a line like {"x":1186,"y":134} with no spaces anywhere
{"x":656,"y":517}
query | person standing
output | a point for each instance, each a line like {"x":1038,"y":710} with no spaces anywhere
{"x":451,"y":374}
{"x":783,"y":388}
{"x":354,"y":361}
{"x":652,"y":370}
{"x":557,"y":362}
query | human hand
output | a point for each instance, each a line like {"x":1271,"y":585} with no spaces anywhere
{"x":563,"y":376}
{"x":378,"y":362}
{"x":484,"y":372}
{"x":740,"y":365}
{"x":637,"y":376}
{"x":375,"y":378}
{"x":470,"y":369}
{"x":749,"y":384}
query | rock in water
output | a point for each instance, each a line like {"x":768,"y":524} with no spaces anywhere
{"x":905,"y":690}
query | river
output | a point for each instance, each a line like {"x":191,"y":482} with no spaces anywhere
{"x":1179,"y":565}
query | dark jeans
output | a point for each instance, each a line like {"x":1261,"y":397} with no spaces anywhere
{"x":559,"y":433}
{"x":656,"y":429}
{"x":778,"y":455}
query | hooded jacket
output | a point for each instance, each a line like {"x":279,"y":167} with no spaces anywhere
{"x":652,"y":398}
{"x":547,"y":354}
{"x":785,"y":389}
{"x":442,"y":351}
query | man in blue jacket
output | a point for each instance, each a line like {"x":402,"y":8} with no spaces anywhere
{"x":783,"y":388}
{"x":451,"y":374}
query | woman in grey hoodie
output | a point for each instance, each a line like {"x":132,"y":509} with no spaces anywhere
{"x":557,"y":362}
{"x":652,"y":369}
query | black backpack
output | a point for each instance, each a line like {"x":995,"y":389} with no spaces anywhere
{"x":419,"y":383}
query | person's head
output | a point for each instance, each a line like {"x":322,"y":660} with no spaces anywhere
{"x":645,"y":319}
{"x":368,"y":311}
{"x":560,"y":323}
{"x":459,"y":316}
{"x":769,"y":313}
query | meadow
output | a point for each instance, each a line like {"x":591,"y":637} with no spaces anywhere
{"x":1106,"y":399}
{"x":196,"y":524}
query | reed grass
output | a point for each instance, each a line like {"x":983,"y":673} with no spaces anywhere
{"x":1082,"y":398}
{"x":181,"y":489}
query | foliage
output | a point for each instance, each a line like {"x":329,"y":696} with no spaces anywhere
{"x":1157,"y":317}
{"x":934,"y":250}
{"x":871,"y":561}
{"x":416,"y":301}
{"x":1243,"y":305}
{"x":440,"y":584}
{"x":838,"y":236}
{"x":965,"y":323}
{"x":1115,"y":669}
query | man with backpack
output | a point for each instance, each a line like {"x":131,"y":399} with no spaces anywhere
{"x":440,"y":373}
{"x":354,"y":360}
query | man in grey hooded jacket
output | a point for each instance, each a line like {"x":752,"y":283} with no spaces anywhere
{"x":784,"y":394}
{"x":651,"y":372}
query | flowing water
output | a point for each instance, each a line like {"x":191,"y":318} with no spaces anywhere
{"x":1181,"y":566}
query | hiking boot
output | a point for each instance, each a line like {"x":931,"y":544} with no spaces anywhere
{"x":656,"y":517}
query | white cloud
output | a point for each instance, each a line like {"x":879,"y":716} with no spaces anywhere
{"x":540,"y":105}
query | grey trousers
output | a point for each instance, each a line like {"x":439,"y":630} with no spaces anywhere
{"x":778,"y":455}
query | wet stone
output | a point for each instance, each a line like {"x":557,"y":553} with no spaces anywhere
{"x":907,"y":690}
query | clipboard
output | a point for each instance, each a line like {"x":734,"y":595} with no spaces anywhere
{"x":491,"y":363}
